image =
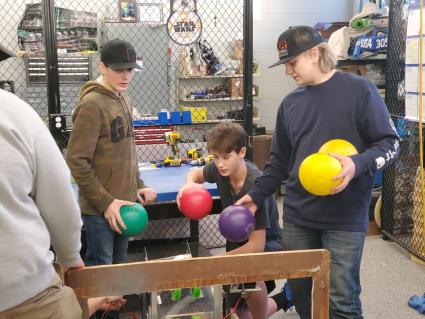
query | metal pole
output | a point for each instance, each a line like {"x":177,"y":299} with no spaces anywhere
{"x":247,"y":74}
{"x":52,"y":75}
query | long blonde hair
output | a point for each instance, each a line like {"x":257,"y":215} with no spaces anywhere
{"x":327,"y":59}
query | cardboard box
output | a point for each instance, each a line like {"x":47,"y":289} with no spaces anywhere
{"x":327,"y":28}
{"x":261,"y":149}
{"x":235,"y":87}
{"x":238,"y":49}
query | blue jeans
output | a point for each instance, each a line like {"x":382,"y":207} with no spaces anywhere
{"x":104,"y":246}
{"x":273,"y":245}
{"x":346,"y":253}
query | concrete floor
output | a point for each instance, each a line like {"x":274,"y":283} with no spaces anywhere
{"x":388,"y":278}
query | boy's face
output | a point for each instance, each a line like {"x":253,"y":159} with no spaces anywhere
{"x":116,"y":80}
{"x":303,"y":68}
{"x":228,"y":163}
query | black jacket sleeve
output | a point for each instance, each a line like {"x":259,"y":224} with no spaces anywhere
{"x":276,"y":169}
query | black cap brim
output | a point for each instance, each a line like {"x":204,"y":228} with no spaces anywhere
{"x":6,"y":53}
{"x":281,"y":61}
{"x":122,"y":66}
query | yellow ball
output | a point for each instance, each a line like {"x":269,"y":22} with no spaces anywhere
{"x":316,"y":173}
{"x":338,"y":146}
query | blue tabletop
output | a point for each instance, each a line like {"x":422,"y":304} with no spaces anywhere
{"x":167,"y":181}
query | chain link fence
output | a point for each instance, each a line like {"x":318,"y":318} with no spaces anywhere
{"x":187,"y":84}
{"x":402,"y":213}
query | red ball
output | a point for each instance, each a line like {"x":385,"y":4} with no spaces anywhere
{"x":196,"y":202}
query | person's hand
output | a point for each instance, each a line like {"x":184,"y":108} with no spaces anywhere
{"x":63,"y":270}
{"x":113,"y":216}
{"x":146,"y":195}
{"x":185,"y":186}
{"x":105,"y":303}
{"x":68,"y":267}
{"x":248,"y":202}
{"x":347,"y":173}
{"x":112,"y":303}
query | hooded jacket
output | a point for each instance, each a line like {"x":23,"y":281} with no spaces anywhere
{"x":101,"y":151}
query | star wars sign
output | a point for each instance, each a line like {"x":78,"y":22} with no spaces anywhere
{"x":184,"y":25}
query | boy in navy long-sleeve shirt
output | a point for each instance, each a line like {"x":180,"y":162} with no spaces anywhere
{"x":326,"y":105}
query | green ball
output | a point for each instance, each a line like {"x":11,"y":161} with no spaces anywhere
{"x":195,"y":292}
{"x":135,"y":219}
{"x":176,"y":294}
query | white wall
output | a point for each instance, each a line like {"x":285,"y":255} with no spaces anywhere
{"x":276,"y":17}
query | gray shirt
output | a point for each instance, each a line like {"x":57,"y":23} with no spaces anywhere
{"x":37,"y":205}
{"x":228,"y":196}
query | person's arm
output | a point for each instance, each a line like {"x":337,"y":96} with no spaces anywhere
{"x":255,"y":244}
{"x":80,"y":152}
{"x":195,"y":177}
{"x":379,"y":131}
{"x":56,"y":201}
{"x":276,"y":169}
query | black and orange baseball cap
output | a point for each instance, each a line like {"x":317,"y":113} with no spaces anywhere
{"x":118,"y":55}
{"x":295,"y":41}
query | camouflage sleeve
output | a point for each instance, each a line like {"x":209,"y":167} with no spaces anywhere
{"x":80,"y":152}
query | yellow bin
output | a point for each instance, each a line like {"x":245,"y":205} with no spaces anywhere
{"x":199,"y":113}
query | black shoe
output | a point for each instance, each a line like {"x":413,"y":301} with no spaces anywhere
{"x":283,"y":299}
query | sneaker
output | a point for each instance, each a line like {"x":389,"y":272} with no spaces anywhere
{"x":283,"y":299}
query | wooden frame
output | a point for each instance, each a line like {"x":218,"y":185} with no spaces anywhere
{"x":160,"y":275}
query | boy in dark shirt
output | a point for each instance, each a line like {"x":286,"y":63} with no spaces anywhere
{"x":326,"y":105}
{"x":234,"y":177}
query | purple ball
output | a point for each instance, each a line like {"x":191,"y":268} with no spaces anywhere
{"x":236,"y":223}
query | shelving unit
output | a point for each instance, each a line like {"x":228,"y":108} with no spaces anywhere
{"x":136,"y":124}
{"x":213,"y":99}
{"x":72,"y":69}
{"x":358,"y":66}
{"x":219,"y":76}
{"x":213,"y":109}
{"x":219,"y":109}
{"x":349,"y":62}
{"x":75,"y":30}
